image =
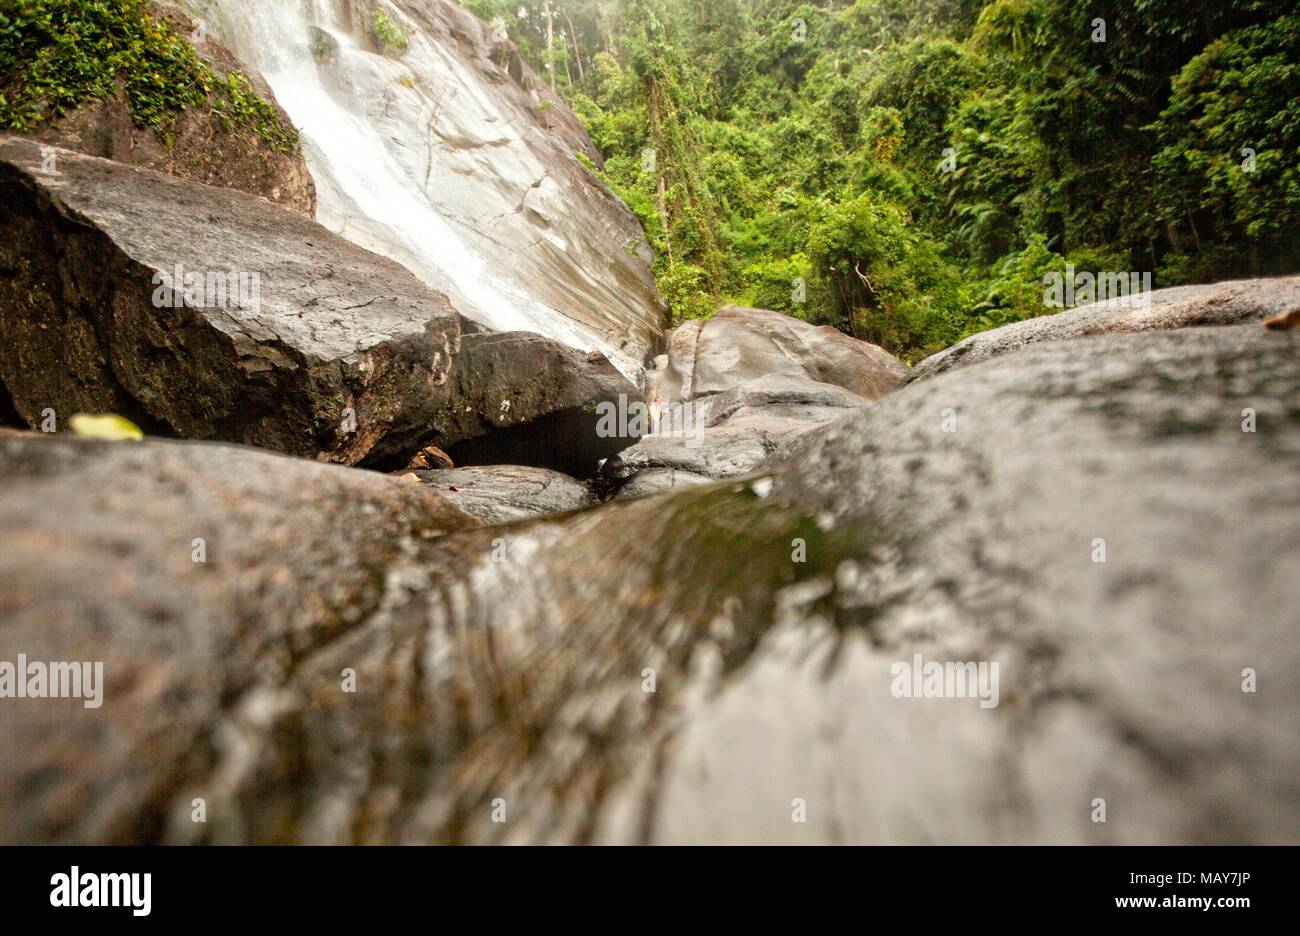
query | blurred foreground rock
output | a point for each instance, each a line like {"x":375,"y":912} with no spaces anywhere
{"x":199,"y":574}
{"x":701,"y":666}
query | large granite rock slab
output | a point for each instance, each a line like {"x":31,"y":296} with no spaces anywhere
{"x":297,"y":340}
{"x":320,"y":328}
{"x":722,"y":664}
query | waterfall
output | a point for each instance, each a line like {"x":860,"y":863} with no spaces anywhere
{"x":416,"y":159}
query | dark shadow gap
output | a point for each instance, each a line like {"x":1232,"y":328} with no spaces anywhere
{"x":9,"y":415}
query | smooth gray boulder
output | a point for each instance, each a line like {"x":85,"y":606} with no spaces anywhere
{"x":702,"y":666}
{"x":294,"y":340}
{"x":777,"y":402}
{"x":655,"y":479}
{"x":655,"y":462}
{"x":737,"y":430}
{"x":504,"y":493}
{"x":740,"y":344}
{"x":1229,"y":303}
{"x":738,"y":386}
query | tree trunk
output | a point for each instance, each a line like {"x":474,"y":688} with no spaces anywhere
{"x":550,"y":40}
{"x":577,"y":53}
{"x":663,"y":222}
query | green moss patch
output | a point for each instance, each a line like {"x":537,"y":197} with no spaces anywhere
{"x":56,"y":55}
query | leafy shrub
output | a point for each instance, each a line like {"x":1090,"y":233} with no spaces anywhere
{"x":1231,"y":156}
{"x":685,"y":287}
{"x":236,"y":104}
{"x":889,"y":284}
{"x":56,"y":56}
{"x":388,"y":36}
{"x":1015,"y":292}
{"x":785,"y":285}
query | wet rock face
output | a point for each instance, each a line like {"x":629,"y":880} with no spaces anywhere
{"x":517,"y":398}
{"x":197,"y":149}
{"x":1178,"y":307}
{"x":289,"y":328}
{"x":748,"y":380}
{"x":295,"y":340}
{"x":710,"y":665}
{"x":504,"y":493}
{"x":553,"y":226}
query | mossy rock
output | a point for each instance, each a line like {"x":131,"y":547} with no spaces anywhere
{"x":323,"y":45}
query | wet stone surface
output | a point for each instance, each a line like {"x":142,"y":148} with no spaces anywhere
{"x":708,"y":664}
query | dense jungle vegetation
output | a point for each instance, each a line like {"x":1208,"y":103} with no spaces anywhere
{"x":909,"y":170}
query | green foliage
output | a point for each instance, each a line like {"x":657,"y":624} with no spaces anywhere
{"x":686,"y":289}
{"x":782,"y":284}
{"x":988,"y":197}
{"x":1231,"y":136}
{"x":388,"y":35}
{"x":923,"y":81}
{"x":921,"y":165}
{"x":888,"y":283}
{"x":235,"y":104}
{"x":1015,"y":292}
{"x":56,"y":55}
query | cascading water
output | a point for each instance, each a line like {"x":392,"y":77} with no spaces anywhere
{"x":420,"y":159}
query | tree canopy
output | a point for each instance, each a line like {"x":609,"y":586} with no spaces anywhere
{"x":909,"y":170}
